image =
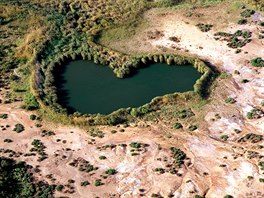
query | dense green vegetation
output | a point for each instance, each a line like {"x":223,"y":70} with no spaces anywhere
{"x":257,"y":62}
{"x":16,"y":181}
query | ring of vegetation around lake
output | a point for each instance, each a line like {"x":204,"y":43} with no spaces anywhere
{"x":51,"y":93}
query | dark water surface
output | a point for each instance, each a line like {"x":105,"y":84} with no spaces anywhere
{"x":89,"y":88}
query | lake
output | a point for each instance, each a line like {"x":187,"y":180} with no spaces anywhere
{"x":86,"y":87}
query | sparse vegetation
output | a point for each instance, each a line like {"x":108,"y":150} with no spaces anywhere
{"x":251,"y":137}
{"x":178,"y":155}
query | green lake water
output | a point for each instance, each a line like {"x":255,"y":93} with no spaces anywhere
{"x":89,"y":88}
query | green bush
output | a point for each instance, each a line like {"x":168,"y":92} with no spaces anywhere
{"x":242,"y":21}
{"x":85,"y":183}
{"x":19,"y":128}
{"x":224,"y":137}
{"x":102,"y":157}
{"x":230,"y":100}
{"x":257,"y":62}
{"x":111,"y":172}
{"x":4,"y":116}
{"x":247,"y":13}
{"x":32,"y":117}
{"x":98,"y":182}
{"x":177,"y":125}
{"x":59,"y":187}
{"x":192,"y":127}
{"x":16,"y":181}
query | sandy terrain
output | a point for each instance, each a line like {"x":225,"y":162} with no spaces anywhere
{"x":213,"y":168}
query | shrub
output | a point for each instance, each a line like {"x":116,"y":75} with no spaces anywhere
{"x":242,"y":21}
{"x":4,"y":116}
{"x":110,"y":171}
{"x":177,"y":125}
{"x":98,"y":182}
{"x":261,"y":23}
{"x":85,"y":183}
{"x":102,"y":157}
{"x":19,"y":128}
{"x":178,"y":155}
{"x":257,"y":62}
{"x":224,"y":137}
{"x":71,"y":181}
{"x":204,"y":27}
{"x":192,"y":127}
{"x":247,"y":13}
{"x":228,"y":196}
{"x":261,"y":179}
{"x":32,"y":117}
{"x":244,"y":81}
{"x":230,"y":100}
{"x":59,"y":187}
{"x":255,"y":114}
{"x":8,"y":140}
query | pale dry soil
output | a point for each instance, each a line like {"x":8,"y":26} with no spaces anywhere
{"x":201,"y":173}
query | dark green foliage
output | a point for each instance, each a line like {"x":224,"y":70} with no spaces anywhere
{"x":247,"y":13}
{"x":111,"y":172}
{"x":228,"y":196}
{"x":261,"y":23}
{"x":185,"y":113}
{"x":15,"y":181}
{"x":59,"y":187}
{"x":4,"y":116}
{"x":224,"y":137}
{"x":137,"y":145}
{"x":31,"y":102}
{"x":32,"y":117}
{"x":251,"y":137}
{"x":204,"y":27}
{"x":255,"y":114}
{"x":85,"y":183}
{"x":242,"y":21}
{"x":244,"y":81}
{"x":261,"y":180}
{"x":71,"y":181}
{"x":192,"y":127}
{"x":102,"y":157}
{"x":198,"y":196}
{"x":160,"y":170}
{"x":178,"y":155}
{"x":19,"y":128}
{"x":261,"y":165}
{"x":39,"y":147}
{"x":177,"y":125}
{"x":236,"y":40}
{"x":257,"y":62}
{"x":98,"y":182}
{"x":8,"y":140}
{"x":230,"y":100}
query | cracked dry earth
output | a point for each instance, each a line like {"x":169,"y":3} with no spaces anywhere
{"x":213,"y":168}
